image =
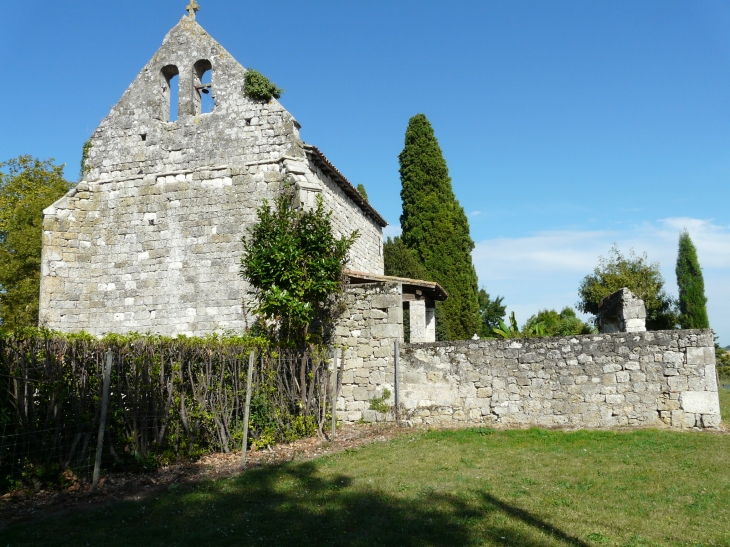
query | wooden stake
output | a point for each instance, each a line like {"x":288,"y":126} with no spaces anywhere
{"x":396,"y":383}
{"x":247,"y":408}
{"x":102,"y":418}
{"x":334,"y":396}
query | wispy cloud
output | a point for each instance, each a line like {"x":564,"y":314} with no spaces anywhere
{"x":475,"y":213}
{"x":391,"y":230}
{"x":544,"y":270}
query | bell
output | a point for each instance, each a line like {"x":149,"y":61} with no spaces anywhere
{"x":206,"y":90}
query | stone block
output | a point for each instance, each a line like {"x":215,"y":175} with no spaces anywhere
{"x":710,"y":378}
{"x":386,"y":330}
{"x":364,"y":351}
{"x":696,"y":356}
{"x":435,"y":376}
{"x":678,"y":383}
{"x":354,"y":416}
{"x":369,"y":416}
{"x":711,"y":420}
{"x":700,"y":402}
{"x":384,"y":301}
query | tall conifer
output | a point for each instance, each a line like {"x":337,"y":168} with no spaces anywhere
{"x":435,"y":226}
{"x":692,"y":301}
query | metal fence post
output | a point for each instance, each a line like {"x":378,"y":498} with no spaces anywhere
{"x":396,"y":383}
{"x":102,"y":418}
{"x":247,"y":408}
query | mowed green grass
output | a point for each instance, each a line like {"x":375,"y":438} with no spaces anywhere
{"x":725,"y":400}
{"x":441,"y":488}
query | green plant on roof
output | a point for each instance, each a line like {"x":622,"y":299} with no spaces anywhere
{"x":259,"y":87}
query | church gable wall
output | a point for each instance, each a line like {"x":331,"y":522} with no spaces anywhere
{"x":137,"y":138}
{"x":150,"y":240}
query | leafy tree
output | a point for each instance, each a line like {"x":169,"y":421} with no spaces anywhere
{"x":692,"y":300}
{"x":363,"y":193}
{"x":295,"y":266}
{"x":723,"y":361}
{"x":565,"y":323}
{"x":641,"y":277}
{"x":400,"y":261}
{"x":435,"y":226}
{"x":27,"y":186}
{"x":491,"y":313}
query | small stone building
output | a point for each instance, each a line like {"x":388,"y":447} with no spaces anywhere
{"x":150,"y":239}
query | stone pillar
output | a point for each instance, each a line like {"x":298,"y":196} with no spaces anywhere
{"x":622,"y":312}
{"x":418,"y":321}
{"x":430,"y":325}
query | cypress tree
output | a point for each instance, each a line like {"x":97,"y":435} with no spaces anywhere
{"x":692,"y":301}
{"x":363,"y":192}
{"x":435,"y":226}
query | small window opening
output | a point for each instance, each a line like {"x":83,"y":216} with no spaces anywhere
{"x":171,"y":91}
{"x":144,"y":136}
{"x":248,"y":121}
{"x":203,"y":96}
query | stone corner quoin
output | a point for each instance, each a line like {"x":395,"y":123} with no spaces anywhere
{"x":150,"y":239}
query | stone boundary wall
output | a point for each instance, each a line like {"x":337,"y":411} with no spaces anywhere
{"x":664,"y":378}
{"x":659,"y":379}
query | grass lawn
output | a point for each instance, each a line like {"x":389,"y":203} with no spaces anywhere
{"x":443,"y":488}
{"x":725,"y":400}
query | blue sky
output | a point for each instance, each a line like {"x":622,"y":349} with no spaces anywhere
{"x":567,"y":126}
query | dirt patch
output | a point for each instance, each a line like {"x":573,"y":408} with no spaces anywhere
{"x":24,"y":505}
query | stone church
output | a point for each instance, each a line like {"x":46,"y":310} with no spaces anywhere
{"x":150,"y":239}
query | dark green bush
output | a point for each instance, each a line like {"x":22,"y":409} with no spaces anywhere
{"x":259,"y":87}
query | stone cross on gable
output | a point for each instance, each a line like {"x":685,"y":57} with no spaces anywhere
{"x":192,"y":7}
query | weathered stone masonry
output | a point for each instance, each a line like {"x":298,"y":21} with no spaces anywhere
{"x":623,"y":379}
{"x":150,"y":240}
{"x":664,"y":378}
{"x":373,"y":320}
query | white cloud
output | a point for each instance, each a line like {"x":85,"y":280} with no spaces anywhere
{"x":475,"y":213}
{"x":544,"y":270}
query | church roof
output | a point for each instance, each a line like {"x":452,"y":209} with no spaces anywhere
{"x":321,"y":161}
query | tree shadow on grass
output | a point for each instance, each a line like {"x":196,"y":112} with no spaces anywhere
{"x":295,"y":505}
